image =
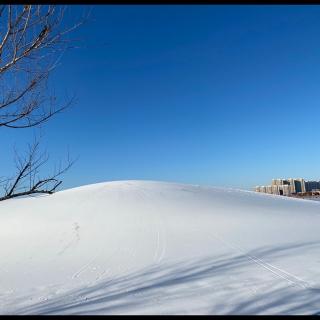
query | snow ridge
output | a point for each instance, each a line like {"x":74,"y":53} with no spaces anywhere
{"x":150,"y":247}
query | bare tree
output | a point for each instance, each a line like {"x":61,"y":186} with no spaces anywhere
{"x":27,"y":180}
{"x":32,"y":40}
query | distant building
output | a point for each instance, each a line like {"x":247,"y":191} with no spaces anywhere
{"x":275,"y":189}
{"x":292,"y":185}
{"x":300,"y":185}
{"x":312,"y":186}
{"x":269,"y":189}
{"x":289,"y":186}
{"x":263,"y":189}
{"x":286,"y":190}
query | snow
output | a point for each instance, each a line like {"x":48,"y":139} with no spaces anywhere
{"x":147,"y":247}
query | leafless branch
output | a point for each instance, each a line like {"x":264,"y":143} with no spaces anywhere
{"x":31,"y":40}
{"x":27,"y":180}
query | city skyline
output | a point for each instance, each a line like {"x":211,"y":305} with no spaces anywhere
{"x":289,"y":186}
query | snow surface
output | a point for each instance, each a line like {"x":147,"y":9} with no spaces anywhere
{"x":144,"y":247}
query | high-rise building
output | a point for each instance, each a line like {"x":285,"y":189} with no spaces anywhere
{"x":286,"y":189}
{"x":300,"y":185}
{"x":292,"y":185}
{"x":269,"y":189}
{"x":312,"y":185}
{"x":275,"y":189}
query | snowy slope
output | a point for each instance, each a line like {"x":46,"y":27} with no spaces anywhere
{"x":143,"y":247}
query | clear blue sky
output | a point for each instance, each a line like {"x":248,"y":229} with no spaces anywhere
{"x":218,"y":95}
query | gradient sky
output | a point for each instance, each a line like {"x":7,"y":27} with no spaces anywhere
{"x":216,"y":95}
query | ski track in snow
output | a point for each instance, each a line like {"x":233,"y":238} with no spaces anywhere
{"x":84,"y":267}
{"x":74,"y":241}
{"x":280,"y":273}
{"x":159,"y":232}
{"x":161,"y":240}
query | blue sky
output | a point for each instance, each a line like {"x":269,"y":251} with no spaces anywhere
{"x":217,"y":95}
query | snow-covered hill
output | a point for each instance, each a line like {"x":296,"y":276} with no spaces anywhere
{"x":143,"y":247}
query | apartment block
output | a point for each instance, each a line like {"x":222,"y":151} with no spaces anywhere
{"x":289,"y":186}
